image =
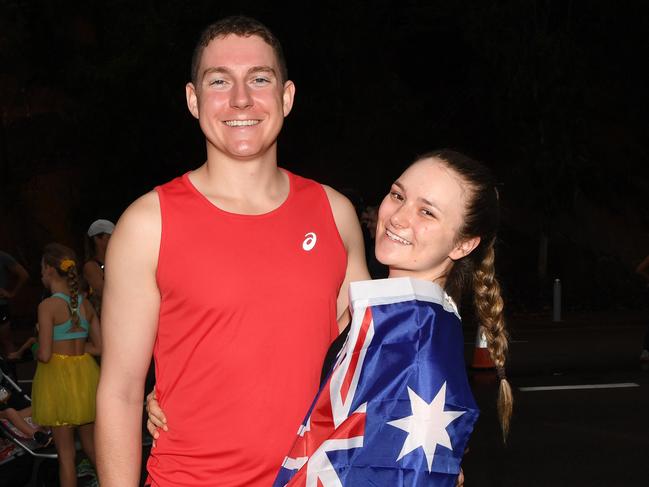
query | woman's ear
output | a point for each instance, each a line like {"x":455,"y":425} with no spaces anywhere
{"x":464,"y":248}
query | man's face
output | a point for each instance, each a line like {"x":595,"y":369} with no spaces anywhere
{"x":239,"y":99}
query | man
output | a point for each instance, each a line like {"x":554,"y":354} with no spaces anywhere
{"x":234,"y":275}
{"x":12,"y":277}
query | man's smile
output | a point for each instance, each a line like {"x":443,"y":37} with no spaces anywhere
{"x":241,"y":123}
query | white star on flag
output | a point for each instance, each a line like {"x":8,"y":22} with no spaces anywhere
{"x":426,"y":427}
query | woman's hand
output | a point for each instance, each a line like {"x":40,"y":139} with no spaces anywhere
{"x":156,"y":417}
{"x":460,"y":479}
{"x":14,"y":356}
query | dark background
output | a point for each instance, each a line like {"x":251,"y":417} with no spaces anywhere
{"x":550,"y":94}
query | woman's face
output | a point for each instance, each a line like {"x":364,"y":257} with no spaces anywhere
{"x":101,"y":239}
{"x":418,"y":222}
{"x":46,"y":274}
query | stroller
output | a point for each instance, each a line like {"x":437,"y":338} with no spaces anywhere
{"x":13,"y":443}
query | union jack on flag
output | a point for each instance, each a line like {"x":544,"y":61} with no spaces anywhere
{"x":396,"y":409}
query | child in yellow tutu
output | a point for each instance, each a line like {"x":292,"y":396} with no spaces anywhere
{"x":65,"y":383}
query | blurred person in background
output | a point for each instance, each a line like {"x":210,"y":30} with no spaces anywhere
{"x":96,"y":242}
{"x":65,"y":382}
{"x":12,"y":277}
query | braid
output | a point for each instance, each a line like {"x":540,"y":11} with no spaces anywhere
{"x":481,"y":219}
{"x":63,"y":260}
{"x":73,"y":284}
{"x":489,"y":310}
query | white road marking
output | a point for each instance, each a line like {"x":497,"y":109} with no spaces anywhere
{"x":619,"y":385}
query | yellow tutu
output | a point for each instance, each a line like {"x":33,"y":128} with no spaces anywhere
{"x":64,"y":390}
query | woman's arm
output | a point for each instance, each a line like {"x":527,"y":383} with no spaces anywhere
{"x":93,"y":345}
{"x":95,"y":277}
{"x":45,"y":330}
{"x":19,"y":353}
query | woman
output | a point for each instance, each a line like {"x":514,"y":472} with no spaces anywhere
{"x":437,"y":225}
{"x":65,"y":383}
{"x":96,"y":242}
{"x":443,"y":229}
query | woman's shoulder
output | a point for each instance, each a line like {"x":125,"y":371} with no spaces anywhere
{"x":51,"y":304}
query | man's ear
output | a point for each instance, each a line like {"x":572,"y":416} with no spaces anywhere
{"x":464,"y":248}
{"x":287,"y":97}
{"x":192,"y":99}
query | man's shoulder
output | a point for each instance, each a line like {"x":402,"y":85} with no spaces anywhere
{"x":7,"y":262}
{"x":341,"y":206}
{"x":172,"y":183}
{"x":140,"y":219}
{"x":136,"y":238}
{"x":149,"y":202}
{"x":300,"y":181}
{"x":343,"y":212}
{"x":5,"y":258}
{"x":144,"y":206}
{"x":303,"y":182}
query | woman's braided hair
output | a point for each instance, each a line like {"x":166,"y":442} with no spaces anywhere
{"x":475,"y":274}
{"x":64,"y":261}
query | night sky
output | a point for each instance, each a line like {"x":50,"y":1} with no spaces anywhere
{"x":551,"y":95}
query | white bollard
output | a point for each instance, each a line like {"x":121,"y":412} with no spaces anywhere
{"x":556,"y":301}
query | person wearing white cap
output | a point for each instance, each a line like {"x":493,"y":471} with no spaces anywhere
{"x":96,"y":242}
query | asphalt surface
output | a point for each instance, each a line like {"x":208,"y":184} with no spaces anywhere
{"x":595,"y":435}
{"x":567,"y":437}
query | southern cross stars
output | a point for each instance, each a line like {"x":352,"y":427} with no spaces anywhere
{"x":426,"y":427}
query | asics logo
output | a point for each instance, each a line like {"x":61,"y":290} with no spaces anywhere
{"x":309,"y":241}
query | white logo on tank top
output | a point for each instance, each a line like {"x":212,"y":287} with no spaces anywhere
{"x":309,"y":241}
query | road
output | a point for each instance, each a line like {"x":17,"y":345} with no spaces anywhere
{"x":566,"y":437}
{"x":559,"y":437}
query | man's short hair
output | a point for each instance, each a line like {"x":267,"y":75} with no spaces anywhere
{"x":242,"y":26}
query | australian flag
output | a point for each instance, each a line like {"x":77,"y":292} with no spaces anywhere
{"x":396,"y":409}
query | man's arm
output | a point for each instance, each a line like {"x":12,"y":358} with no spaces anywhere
{"x":20,"y":277}
{"x":129,"y":324}
{"x":352,"y":236}
{"x":643,"y":268}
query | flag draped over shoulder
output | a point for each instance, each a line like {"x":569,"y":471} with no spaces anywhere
{"x":397,"y":409}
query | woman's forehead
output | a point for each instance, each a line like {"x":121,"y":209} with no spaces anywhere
{"x":433,"y":178}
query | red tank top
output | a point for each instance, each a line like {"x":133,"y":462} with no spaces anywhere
{"x":247,"y":312}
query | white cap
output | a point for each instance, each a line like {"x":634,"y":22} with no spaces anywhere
{"x":100,"y":226}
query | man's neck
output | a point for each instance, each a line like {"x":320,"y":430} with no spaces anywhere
{"x":254,"y":186}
